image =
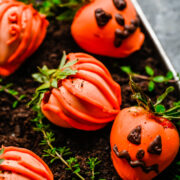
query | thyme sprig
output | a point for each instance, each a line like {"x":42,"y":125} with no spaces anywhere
{"x":7,"y":88}
{"x":158,"y":108}
{"x":51,"y":151}
{"x":150,"y":76}
{"x":93,"y":162}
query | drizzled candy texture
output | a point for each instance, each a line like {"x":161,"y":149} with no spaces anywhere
{"x":108,"y":27}
{"x":142,"y":144}
{"x":22,"y":30}
{"x":88,"y":100}
{"x":22,"y":164}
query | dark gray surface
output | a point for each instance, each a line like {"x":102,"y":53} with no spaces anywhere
{"x":164,"y":16}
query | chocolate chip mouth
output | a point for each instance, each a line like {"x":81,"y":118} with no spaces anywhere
{"x":120,"y":35}
{"x":140,"y":154}
{"x":124,"y":154}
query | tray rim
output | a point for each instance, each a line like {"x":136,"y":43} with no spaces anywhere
{"x":155,"y":40}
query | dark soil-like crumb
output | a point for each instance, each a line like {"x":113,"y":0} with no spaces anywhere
{"x":16,"y":129}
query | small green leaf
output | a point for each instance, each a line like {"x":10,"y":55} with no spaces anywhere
{"x":151,"y":86}
{"x":169,"y":75}
{"x":15,"y":103}
{"x":69,"y":64}
{"x":160,"y":108}
{"x":163,"y":96}
{"x":37,"y":77}
{"x":126,"y":69}
{"x":57,"y":2}
{"x":44,"y":87}
{"x":13,"y":92}
{"x":54,"y":83}
{"x":149,"y":71}
{"x":66,"y":15}
{"x":176,"y":103}
{"x":22,"y":97}
{"x":159,"y":79}
{"x":77,"y":170}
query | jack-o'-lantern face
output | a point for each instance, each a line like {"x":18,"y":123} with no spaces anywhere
{"x":142,"y":146}
{"x":108,"y":28}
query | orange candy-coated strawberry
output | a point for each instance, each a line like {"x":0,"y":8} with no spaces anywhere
{"x":87,"y":100}
{"x":22,"y":164}
{"x":142,"y":145}
{"x":22,"y":30}
{"x":108,"y":27}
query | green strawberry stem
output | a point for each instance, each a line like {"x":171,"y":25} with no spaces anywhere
{"x":158,"y":109}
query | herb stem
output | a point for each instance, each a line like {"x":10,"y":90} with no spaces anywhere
{"x":6,"y":90}
{"x":93,"y":175}
{"x":149,"y":78}
{"x":57,"y":154}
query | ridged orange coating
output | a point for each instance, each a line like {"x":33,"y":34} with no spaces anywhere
{"x":88,"y":100}
{"x":100,"y":40}
{"x":128,"y":119}
{"x":22,"y":30}
{"x":23,"y":164}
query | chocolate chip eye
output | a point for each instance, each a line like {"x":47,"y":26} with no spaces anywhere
{"x":102,"y":17}
{"x":120,"y":4}
{"x":135,"y":136}
{"x":156,"y":146}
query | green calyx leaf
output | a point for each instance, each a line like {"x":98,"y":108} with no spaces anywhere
{"x":163,"y":96}
{"x":49,"y":78}
{"x":142,"y":99}
{"x":157,"y":108}
{"x":1,"y":152}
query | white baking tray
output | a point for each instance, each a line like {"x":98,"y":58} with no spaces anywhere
{"x":155,"y":40}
